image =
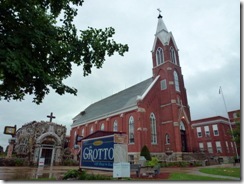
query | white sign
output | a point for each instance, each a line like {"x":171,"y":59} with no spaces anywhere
{"x":120,"y":153}
{"x":121,"y":169}
{"x":41,"y":161}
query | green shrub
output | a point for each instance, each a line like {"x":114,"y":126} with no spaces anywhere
{"x":146,"y":153}
{"x":83,"y":175}
{"x":73,"y":173}
{"x":70,"y":162}
{"x":19,"y":162}
{"x":183,"y":164}
{"x":154,"y":161}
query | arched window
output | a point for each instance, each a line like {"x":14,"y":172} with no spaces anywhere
{"x":176,"y":81}
{"x":167,"y":140}
{"x":131,"y":130}
{"x":115,"y":126}
{"x":102,"y":126}
{"x":75,"y":137}
{"x":91,"y":130}
{"x":83,"y":132}
{"x":173,"y":55}
{"x":182,"y":126}
{"x":153,"y":129}
{"x":159,"y":56}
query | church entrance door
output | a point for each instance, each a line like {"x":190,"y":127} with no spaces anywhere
{"x":183,"y":141}
{"x":47,"y":154}
{"x":183,"y":137}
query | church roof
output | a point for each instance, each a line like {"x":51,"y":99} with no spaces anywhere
{"x":116,"y":103}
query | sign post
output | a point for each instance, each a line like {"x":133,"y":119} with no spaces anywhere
{"x":121,"y":166}
{"x":11,"y":131}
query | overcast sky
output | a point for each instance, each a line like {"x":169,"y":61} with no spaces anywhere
{"x":207,"y":34}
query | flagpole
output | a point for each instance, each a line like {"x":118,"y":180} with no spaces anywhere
{"x":221,"y":91}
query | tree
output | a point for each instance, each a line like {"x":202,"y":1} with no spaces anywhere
{"x":39,"y":44}
{"x":146,"y":153}
{"x":236,"y":131}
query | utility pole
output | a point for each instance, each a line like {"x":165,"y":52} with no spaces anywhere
{"x":221,"y":91}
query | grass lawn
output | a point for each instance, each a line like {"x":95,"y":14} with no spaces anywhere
{"x":191,"y":177}
{"x":233,"y":172}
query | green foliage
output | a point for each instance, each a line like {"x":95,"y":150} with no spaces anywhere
{"x":146,"y":153}
{"x":39,"y":44}
{"x":83,"y":175}
{"x":152,"y":162}
{"x":236,"y":132}
{"x":19,"y":162}
{"x":13,"y":162}
{"x":73,"y":173}
{"x":70,"y":162}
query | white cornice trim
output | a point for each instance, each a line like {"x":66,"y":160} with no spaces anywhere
{"x":211,"y":122}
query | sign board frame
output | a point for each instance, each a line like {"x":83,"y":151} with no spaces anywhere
{"x":100,"y":153}
{"x":10,"y":130}
{"x":97,"y":153}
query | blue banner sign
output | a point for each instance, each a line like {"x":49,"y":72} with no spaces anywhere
{"x":98,"y":153}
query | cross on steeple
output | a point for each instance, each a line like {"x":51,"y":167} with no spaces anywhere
{"x":51,"y":116}
{"x":159,"y":11}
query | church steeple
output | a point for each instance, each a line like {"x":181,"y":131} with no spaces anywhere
{"x":161,"y":26}
{"x":162,"y":32}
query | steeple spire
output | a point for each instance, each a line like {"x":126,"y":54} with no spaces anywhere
{"x":162,"y":33}
{"x":161,"y":26}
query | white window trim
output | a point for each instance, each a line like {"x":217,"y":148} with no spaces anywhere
{"x":167,"y":139}
{"x":215,"y":128}
{"x":210,"y":147}
{"x":159,"y":56}
{"x":201,"y":146}
{"x":163,"y":84}
{"x":173,"y":56}
{"x":115,"y":125}
{"x":199,"y":130}
{"x":206,"y":131}
{"x":153,"y":129}
{"x":102,"y":126}
{"x":131,"y":130}
{"x":218,"y":147}
{"x":176,"y":81}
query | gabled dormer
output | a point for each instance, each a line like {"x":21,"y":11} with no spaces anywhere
{"x":164,"y":47}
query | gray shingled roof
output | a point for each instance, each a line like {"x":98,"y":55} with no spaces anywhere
{"x":121,"y":100}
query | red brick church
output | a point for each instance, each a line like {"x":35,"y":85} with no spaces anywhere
{"x":154,"y":112}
